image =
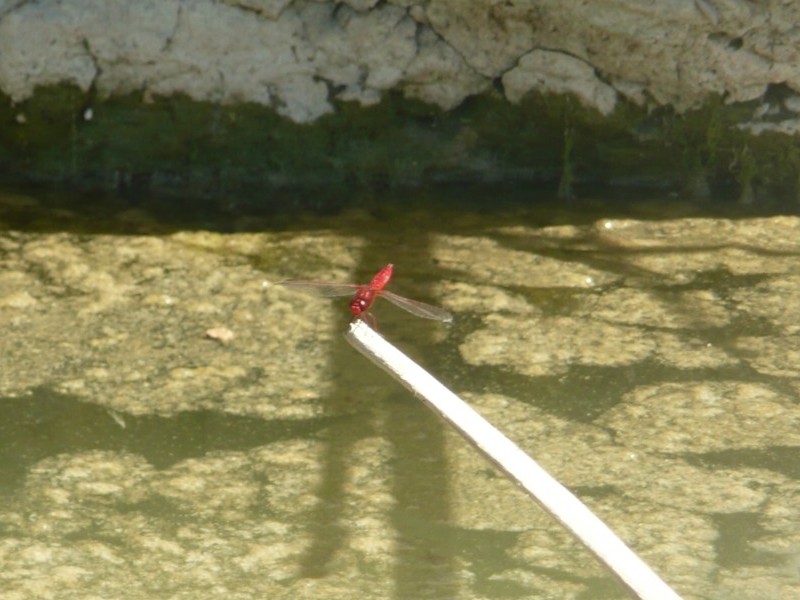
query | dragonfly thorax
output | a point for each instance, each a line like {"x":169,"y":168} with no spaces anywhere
{"x":362,"y":301}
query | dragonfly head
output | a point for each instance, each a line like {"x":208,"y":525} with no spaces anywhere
{"x":358,"y":306}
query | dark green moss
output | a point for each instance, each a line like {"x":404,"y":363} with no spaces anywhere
{"x":124,"y":143}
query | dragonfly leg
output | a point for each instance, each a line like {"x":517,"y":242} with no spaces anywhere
{"x":369,"y":319}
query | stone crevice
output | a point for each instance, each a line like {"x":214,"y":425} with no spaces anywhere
{"x":171,"y":36}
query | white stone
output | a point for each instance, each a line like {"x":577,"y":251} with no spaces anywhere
{"x":302,"y":98}
{"x":39,"y":45}
{"x":792,"y":104}
{"x":438,"y":74}
{"x":557,"y":73}
{"x":633,"y":91}
{"x":293,"y":55}
{"x":364,"y":53}
{"x":489,"y":35}
{"x":785,"y":126}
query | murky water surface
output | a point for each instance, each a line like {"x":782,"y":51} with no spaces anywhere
{"x":646,"y":355}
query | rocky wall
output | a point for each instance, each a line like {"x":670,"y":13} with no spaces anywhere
{"x":601,"y":68}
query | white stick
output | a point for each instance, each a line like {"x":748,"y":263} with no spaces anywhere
{"x":557,"y":500}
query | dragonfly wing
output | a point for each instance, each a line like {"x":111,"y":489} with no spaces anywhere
{"x":419,"y":309}
{"x":321,"y":289}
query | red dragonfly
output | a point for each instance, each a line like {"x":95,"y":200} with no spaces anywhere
{"x":364,"y":296}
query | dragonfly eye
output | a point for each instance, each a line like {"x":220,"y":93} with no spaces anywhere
{"x":358,"y":306}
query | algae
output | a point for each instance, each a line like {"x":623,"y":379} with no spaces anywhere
{"x":138,"y":145}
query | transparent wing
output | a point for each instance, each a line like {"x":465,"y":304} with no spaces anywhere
{"x":420,"y":309}
{"x":321,"y":289}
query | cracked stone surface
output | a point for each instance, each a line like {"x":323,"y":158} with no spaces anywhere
{"x":298,"y":56}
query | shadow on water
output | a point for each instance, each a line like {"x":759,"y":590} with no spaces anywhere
{"x":45,"y":210}
{"x":47,"y":423}
{"x":779,"y":459}
{"x":415,"y":437}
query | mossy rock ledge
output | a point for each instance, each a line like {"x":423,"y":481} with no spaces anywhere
{"x":225,"y":98}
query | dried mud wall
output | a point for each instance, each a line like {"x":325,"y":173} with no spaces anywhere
{"x":700,"y":94}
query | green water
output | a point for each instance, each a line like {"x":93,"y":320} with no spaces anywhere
{"x":643,"y":350}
